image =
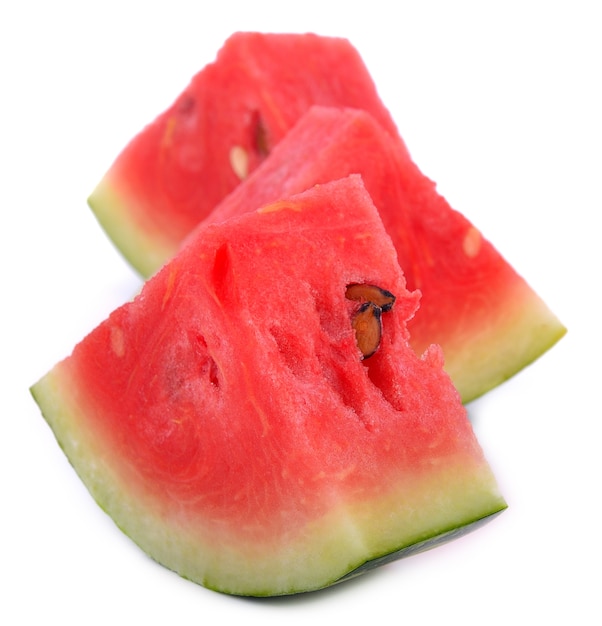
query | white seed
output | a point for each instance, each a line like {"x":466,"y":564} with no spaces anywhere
{"x":472,"y":242}
{"x":117,"y":341}
{"x":239,"y":160}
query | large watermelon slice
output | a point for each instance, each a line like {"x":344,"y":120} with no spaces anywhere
{"x":488,"y":320}
{"x":218,"y":130}
{"x":229,"y":423}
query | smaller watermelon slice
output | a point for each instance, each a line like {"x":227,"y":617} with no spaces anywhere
{"x":488,"y":320}
{"x":174,"y":172}
{"x":228,"y":422}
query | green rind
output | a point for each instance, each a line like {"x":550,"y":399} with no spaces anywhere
{"x":445,"y":536}
{"x":115,"y":211}
{"x":510,"y":344}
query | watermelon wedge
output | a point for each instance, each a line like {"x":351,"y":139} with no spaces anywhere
{"x":229,"y":423}
{"x":174,"y":172}
{"x":485,"y":316}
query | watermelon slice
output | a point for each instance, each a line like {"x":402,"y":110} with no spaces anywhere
{"x":218,"y":130}
{"x":488,"y":320}
{"x":229,"y":423}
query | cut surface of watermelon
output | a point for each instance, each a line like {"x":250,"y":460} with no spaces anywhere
{"x":226,"y":420}
{"x":174,"y":172}
{"x":488,"y":320}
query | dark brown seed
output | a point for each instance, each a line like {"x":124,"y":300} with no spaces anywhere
{"x":368,"y":328}
{"x":370,"y":293}
{"x":261,"y":136}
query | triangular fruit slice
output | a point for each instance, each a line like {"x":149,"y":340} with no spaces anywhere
{"x":488,"y":320}
{"x":230,"y":424}
{"x":217,"y":131}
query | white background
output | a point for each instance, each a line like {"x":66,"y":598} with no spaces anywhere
{"x":498,"y":102}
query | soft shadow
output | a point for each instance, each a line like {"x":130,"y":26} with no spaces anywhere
{"x":476,"y":409}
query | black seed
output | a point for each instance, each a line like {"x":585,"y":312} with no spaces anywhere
{"x":260,"y":136}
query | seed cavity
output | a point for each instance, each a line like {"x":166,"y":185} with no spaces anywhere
{"x":367,"y":319}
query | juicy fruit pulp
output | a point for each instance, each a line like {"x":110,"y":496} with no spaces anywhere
{"x":226,"y":420}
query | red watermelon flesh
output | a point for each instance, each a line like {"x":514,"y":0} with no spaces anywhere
{"x":226,"y":420}
{"x":488,"y":320}
{"x":174,"y":172}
